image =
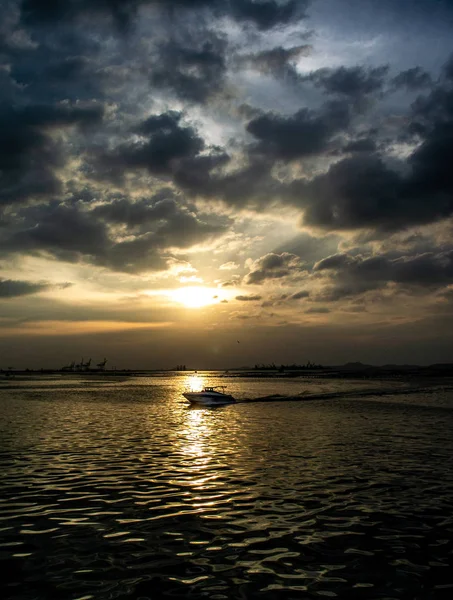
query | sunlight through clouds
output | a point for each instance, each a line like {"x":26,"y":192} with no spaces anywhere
{"x":195,"y":297}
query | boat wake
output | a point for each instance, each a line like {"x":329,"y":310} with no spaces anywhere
{"x":364,"y":393}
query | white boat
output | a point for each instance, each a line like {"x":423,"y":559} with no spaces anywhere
{"x":209,"y":396}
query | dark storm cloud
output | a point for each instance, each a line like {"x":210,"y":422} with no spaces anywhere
{"x":366,"y":190}
{"x":58,"y":10}
{"x":275,"y":266}
{"x":412,"y":79}
{"x":71,"y":234}
{"x":164,"y":143}
{"x":360,"y":191}
{"x":165,"y":122}
{"x":354,"y":274}
{"x":139,"y":213}
{"x":431,"y":162}
{"x":29,"y":154}
{"x":251,"y":186}
{"x":433,"y":109}
{"x":305,"y":133}
{"x":54,"y":72}
{"x":448,"y":68}
{"x":54,"y":62}
{"x":269,"y":13}
{"x":278,"y":61}
{"x":65,"y":232}
{"x":354,"y":82}
{"x":361,"y":145}
{"x":193,"y":72}
{"x":432,"y":176}
{"x":184,"y":229}
{"x":264,"y":14}
{"x":12,"y":288}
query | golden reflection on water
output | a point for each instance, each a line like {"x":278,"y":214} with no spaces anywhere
{"x":196,"y":433}
{"x":234,"y":501}
{"x":199,"y":448}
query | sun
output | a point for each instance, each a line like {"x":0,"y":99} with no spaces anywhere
{"x":195,"y":296}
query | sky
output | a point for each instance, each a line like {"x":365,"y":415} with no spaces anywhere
{"x":221,"y":183}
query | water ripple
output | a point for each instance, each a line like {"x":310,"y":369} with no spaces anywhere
{"x":124,"y":492}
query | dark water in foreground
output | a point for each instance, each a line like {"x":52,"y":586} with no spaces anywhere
{"x":119,"y":490}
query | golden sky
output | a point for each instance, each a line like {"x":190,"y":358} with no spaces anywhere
{"x":220,"y":184}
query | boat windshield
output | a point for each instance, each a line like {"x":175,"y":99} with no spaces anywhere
{"x":214,"y":388}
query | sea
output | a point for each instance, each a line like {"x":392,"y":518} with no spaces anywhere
{"x":115,"y":487}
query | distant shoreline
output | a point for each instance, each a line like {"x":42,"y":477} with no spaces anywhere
{"x":349,"y":371}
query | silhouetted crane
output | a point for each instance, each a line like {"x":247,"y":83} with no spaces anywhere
{"x":102,"y":364}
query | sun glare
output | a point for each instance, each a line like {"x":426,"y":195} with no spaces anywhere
{"x":195,"y":297}
{"x":195,"y":383}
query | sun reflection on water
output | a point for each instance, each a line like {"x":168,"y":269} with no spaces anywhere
{"x":197,"y":445}
{"x":196,"y":434}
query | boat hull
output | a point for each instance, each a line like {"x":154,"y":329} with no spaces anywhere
{"x":207,"y":399}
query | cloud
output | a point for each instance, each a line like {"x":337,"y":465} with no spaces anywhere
{"x":321,"y":310}
{"x":140,"y":213}
{"x":336,"y":261}
{"x":275,"y":266}
{"x":145,"y":130}
{"x":74,"y":234}
{"x":354,"y":82}
{"x":412,"y":79}
{"x":447,"y":69}
{"x":282,"y":299}
{"x":361,"y":145}
{"x":66,"y":232}
{"x":265,"y":14}
{"x":11,"y":288}
{"x":168,"y":221}
{"x":305,"y":133}
{"x":249,"y":298}
{"x":230,"y":283}
{"x":279,"y":61}
{"x":164,"y":142}
{"x":60,"y":69}
{"x":359,"y":191}
{"x":250,"y":186}
{"x":355,"y":274}
{"x":371,"y":191}
{"x":299,"y":295}
{"x":192,"y":71}
{"x":309,"y":248}
{"x":269,"y":13}
{"x":30,"y":153}
{"x":59,"y":10}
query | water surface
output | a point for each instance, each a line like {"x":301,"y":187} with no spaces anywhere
{"x":115,"y":488}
